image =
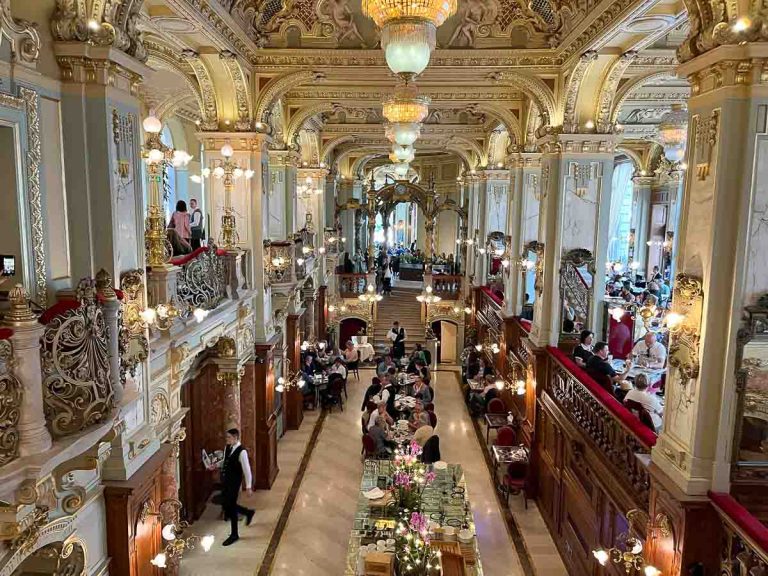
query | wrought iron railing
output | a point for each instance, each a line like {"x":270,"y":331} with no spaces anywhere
{"x":351,"y":285}
{"x":201,"y":282}
{"x":75,"y":353}
{"x":11,"y":392}
{"x":615,"y":432}
{"x":448,"y":287}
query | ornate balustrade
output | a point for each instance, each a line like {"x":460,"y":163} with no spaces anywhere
{"x":351,"y":285}
{"x":448,"y":287}
{"x":11,"y":392}
{"x":201,"y":282}
{"x":744,"y":546}
{"x":616,"y":434}
{"x":77,"y":349}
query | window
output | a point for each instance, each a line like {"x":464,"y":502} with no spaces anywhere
{"x":621,"y":213}
{"x":169,"y":178}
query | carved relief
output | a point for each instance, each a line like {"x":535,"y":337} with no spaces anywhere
{"x":707,"y":130}
{"x":207,"y":90}
{"x":240,"y":84}
{"x":10,"y":403}
{"x":160,"y":409}
{"x":608,"y":91}
{"x":25,"y":41}
{"x":570,"y":121}
{"x":472,"y":15}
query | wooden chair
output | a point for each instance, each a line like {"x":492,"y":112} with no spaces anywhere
{"x":515,"y":481}
{"x":432,"y":419}
{"x":453,"y":564}
{"x":497,"y":406}
{"x":369,"y":447}
{"x":505,"y":436}
{"x":335,"y":391}
{"x":353,"y":367}
{"x":639,"y":410}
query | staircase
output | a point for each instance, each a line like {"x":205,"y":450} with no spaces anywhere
{"x":402,"y":306}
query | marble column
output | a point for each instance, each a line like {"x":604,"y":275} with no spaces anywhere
{"x":512,"y":278}
{"x":721,"y":244}
{"x":641,"y":218}
{"x":576,"y":174}
{"x":34,"y":437}
{"x":283,"y":165}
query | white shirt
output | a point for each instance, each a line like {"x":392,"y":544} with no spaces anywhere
{"x":372,"y":420}
{"x":392,"y":335}
{"x":650,"y":402}
{"x":339,"y":369}
{"x":382,"y":396}
{"x":653,"y":357}
{"x":246,"y":466}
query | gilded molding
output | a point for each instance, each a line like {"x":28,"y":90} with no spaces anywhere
{"x":34,"y":159}
{"x":300,"y":117}
{"x":207,"y":90}
{"x":277,"y":87}
{"x":240,"y":84}
{"x":705,"y":134}
{"x":570,"y":100}
{"x":8,"y":101}
{"x":24,"y":39}
{"x":603,"y":121}
{"x":534,"y":87}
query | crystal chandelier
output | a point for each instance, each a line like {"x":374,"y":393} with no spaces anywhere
{"x":673,"y":133}
{"x":370,"y":295}
{"x":402,"y":154}
{"x":405,"y":105}
{"x":428,"y":297}
{"x":408,"y":30}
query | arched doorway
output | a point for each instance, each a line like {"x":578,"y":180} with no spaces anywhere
{"x":449,"y":337}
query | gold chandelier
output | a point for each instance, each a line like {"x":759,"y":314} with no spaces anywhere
{"x":384,"y":12}
{"x":406,"y":106}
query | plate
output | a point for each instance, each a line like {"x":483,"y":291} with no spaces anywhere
{"x":440,"y":465}
{"x":374,"y":493}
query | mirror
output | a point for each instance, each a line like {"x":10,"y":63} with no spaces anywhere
{"x":12,"y":269}
{"x":576,"y":286}
{"x":752,"y":439}
{"x":531,"y":263}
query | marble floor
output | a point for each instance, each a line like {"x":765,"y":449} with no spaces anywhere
{"x":315,"y":538}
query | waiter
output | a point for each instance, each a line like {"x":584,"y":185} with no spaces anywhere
{"x":234,"y":467}
{"x":397,"y":335}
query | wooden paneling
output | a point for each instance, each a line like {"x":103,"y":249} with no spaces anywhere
{"x":266,"y":468}
{"x":294,"y":400}
{"x":131,"y":543}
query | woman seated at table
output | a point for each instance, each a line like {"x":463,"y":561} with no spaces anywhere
{"x":380,"y":412}
{"x":418,"y":354}
{"x":380,"y":434}
{"x":423,"y":434}
{"x":583,"y":350}
{"x":350,"y":353}
{"x":385,"y":365}
{"x":418,"y":417}
{"x":421,"y":391}
{"x":338,"y":368}
{"x":324,"y":356}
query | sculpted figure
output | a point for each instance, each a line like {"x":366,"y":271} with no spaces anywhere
{"x":338,"y":12}
{"x":472,"y":14}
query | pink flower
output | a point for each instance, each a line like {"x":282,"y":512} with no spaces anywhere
{"x":429,"y":477}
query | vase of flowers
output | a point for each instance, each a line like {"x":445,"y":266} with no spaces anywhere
{"x":412,"y":550}
{"x":410,"y":477}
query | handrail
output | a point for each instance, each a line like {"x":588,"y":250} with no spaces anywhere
{"x":491,"y":296}
{"x":616,"y":433}
{"x":746,"y":537}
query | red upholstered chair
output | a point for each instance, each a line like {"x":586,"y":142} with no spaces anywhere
{"x":506,"y":436}
{"x":432,"y":419}
{"x":430,"y":407}
{"x":497,"y":406}
{"x":603,"y":380}
{"x":639,"y":410}
{"x":369,"y":447}
{"x":515,"y":481}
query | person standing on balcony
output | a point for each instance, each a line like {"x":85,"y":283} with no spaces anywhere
{"x":180,"y":221}
{"x":398,"y":337}
{"x":196,"y":225}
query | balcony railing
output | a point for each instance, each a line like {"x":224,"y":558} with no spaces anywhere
{"x":10,"y":401}
{"x":744,"y":546}
{"x":351,"y":285}
{"x":617,"y":434}
{"x":448,"y":287}
{"x":201,"y":283}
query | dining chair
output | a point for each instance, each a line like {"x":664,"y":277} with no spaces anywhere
{"x":432,"y":419}
{"x":452,"y":564}
{"x":497,"y":406}
{"x":515,"y":481}
{"x":642,"y":414}
{"x":335,"y":391}
{"x":430,"y":407}
{"x":369,"y":447}
{"x":353,"y":366}
{"x":505,"y":436}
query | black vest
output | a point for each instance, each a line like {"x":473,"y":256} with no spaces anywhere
{"x":232,"y":471}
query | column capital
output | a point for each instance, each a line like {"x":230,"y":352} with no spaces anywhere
{"x":313,"y":171}
{"x":85,"y":63}
{"x":643,"y":181}
{"x":284,"y":158}
{"x":524,"y":160}
{"x":240,"y":141}
{"x":726,"y":66}
{"x":582,"y":144}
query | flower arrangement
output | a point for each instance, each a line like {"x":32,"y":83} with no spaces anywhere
{"x":414,"y":555}
{"x":410,"y":477}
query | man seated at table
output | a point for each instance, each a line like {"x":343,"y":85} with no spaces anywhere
{"x":338,"y":368}
{"x":650,"y":353}
{"x":421,"y":391}
{"x":642,"y":395}
{"x":380,"y":434}
{"x":599,"y":365}
{"x":478,"y":400}
{"x":324,"y":356}
{"x":418,"y":417}
{"x":418,"y":354}
{"x":385,"y":365}
{"x":380,"y":412}
{"x":583,"y":350}
{"x":309,"y":368}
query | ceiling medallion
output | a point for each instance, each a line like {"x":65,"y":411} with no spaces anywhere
{"x":408,"y":30}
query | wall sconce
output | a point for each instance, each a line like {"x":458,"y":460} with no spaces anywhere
{"x":163,"y":316}
{"x":427,"y":297}
{"x":173,"y":532}
{"x":294,"y":381}
{"x":370,"y":295}
{"x":628,"y":553}
{"x":488,"y":346}
{"x":458,"y":309}
{"x":684,"y":324}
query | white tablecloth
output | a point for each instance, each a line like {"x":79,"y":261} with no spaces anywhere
{"x":366,"y":351}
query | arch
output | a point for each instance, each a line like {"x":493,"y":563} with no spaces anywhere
{"x":304,"y":114}
{"x":325,"y":153}
{"x":169,"y":106}
{"x":623,"y":94}
{"x":162,"y":60}
{"x":207,"y":90}
{"x":240,"y":86}
{"x":633,"y":156}
{"x":571,"y":94}
{"x":278,"y":87}
{"x":470,"y":162}
{"x":473,"y":146}
{"x":505,"y":116}
{"x":608,"y":91}
{"x":535,"y":88}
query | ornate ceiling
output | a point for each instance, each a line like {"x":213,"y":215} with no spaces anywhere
{"x":314,"y":69}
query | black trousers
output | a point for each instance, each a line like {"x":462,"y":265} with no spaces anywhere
{"x":232,"y":510}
